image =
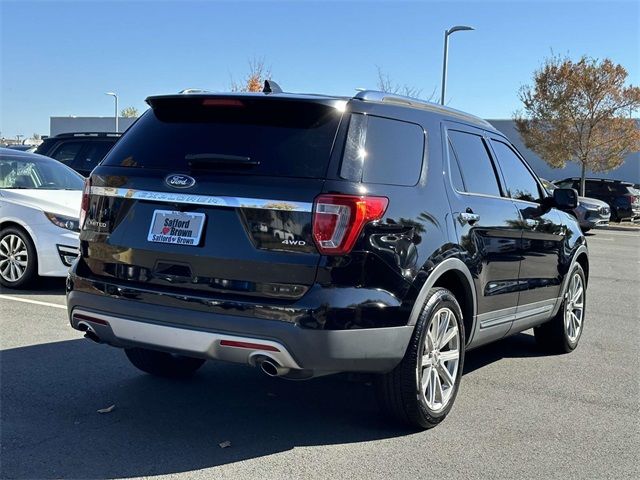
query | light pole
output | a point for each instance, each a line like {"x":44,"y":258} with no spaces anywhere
{"x":457,"y":28}
{"x":116,"y":99}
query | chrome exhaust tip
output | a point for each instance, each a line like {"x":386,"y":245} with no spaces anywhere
{"x":89,"y":332}
{"x":271,"y":368}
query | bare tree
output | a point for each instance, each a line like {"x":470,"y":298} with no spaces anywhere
{"x":385,"y":84}
{"x":254,"y":80}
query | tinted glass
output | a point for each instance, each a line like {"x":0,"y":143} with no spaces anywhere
{"x":520,"y":184}
{"x":475,"y":164}
{"x":593,"y":188}
{"x":381,"y":150}
{"x":66,"y":153}
{"x":92,"y":154}
{"x":20,"y":174}
{"x":456,"y":174}
{"x":243,"y":136}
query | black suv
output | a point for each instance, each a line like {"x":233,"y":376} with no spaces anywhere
{"x":621,"y":196}
{"x":309,"y":234}
{"x":80,"y":151}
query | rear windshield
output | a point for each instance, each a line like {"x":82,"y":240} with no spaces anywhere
{"x":246,"y":136}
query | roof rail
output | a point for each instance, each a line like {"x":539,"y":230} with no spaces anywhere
{"x":385,"y":97}
{"x":87,"y":134}
{"x":187,"y":91}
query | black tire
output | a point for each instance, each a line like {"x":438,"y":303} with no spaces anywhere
{"x":163,"y":364}
{"x":31,"y":270}
{"x":553,"y":336}
{"x":399,"y":391}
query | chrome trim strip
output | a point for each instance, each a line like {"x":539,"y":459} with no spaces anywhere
{"x":203,"y":344}
{"x":192,"y":199}
{"x":498,"y":317}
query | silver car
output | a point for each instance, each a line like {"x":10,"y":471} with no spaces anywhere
{"x":590,"y":212}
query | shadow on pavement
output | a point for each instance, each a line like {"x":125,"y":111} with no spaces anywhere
{"x":41,"y":286}
{"x":51,"y":429}
{"x":521,"y":345}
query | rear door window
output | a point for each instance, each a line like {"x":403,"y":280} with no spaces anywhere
{"x":249,"y":136}
{"x":456,"y":172}
{"x":383,"y":150}
{"x":67,"y":152}
{"x":475,"y":163}
{"x":520,"y":183}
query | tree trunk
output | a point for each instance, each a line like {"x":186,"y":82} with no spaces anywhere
{"x":583,"y":174}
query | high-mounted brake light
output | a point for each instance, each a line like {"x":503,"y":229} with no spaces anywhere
{"x":84,"y":206}
{"x":222,"y":102}
{"x":339,"y":219}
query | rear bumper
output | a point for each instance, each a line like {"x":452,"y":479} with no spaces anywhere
{"x":130,"y":323}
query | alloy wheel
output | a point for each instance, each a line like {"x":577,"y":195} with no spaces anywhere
{"x":13,"y":258}
{"x":574,"y":310}
{"x":438,"y":365}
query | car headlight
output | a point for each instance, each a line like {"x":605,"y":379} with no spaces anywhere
{"x":590,"y":206}
{"x":68,"y":223}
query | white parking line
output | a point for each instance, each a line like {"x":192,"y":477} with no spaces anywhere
{"x":35,"y":302}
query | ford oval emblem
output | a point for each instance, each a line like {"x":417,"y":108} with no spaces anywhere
{"x":180,"y":181}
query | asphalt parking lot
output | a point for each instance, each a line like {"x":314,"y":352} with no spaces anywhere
{"x":519,"y":413}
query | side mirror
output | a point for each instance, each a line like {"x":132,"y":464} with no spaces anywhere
{"x":565,"y":198}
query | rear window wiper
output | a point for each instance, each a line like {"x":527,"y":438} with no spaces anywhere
{"x":218,"y":160}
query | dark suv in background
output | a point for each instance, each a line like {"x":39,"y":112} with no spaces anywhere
{"x":80,"y":151}
{"x":309,"y":234}
{"x":621,"y":196}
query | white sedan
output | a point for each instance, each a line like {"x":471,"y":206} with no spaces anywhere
{"x":39,"y":217}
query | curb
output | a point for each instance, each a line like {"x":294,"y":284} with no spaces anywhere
{"x":620,"y":228}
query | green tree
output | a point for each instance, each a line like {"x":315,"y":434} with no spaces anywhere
{"x":129,"y":112}
{"x":580,"y":112}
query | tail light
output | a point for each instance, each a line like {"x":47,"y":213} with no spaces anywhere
{"x":84,"y":206}
{"x":338,"y":220}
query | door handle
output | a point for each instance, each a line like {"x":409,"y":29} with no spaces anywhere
{"x":468,"y":217}
{"x":530,"y":222}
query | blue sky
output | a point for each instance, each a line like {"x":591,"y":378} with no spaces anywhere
{"x":58,"y":58}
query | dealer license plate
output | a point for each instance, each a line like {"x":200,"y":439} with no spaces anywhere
{"x":181,"y":228}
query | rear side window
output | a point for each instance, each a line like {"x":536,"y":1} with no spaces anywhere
{"x":237,"y":135}
{"x":66,"y":153}
{"x":520,"y":183}
{"x":382,"y":150}
{"x":476,"y":167}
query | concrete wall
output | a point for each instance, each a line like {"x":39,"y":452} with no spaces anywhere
{"x":87,"y":124}
{"x":628,"y":171}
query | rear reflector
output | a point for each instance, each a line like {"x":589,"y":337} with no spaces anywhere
{"x":85,"y":318}
{"x":339,"y":219}
{"x":253,"y":346}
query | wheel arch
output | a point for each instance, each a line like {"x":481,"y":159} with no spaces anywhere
{"x":453,"y":275}
{"x":583,"y":259}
